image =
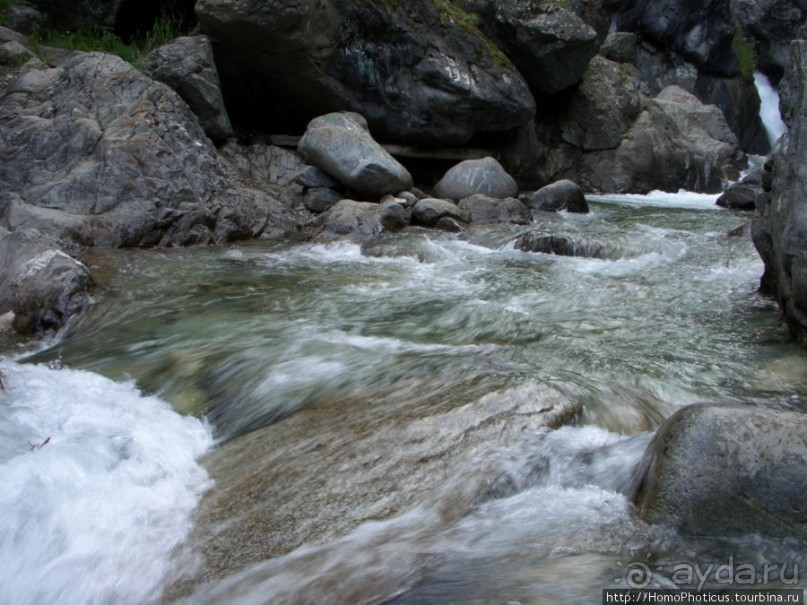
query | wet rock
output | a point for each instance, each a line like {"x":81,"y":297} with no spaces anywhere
{"x":742,"y":195}
{"x":563,"y":245}
{"x":186,"y":64}
{"x":42,"y":285}
{"x":359,"y":222}
{"x":419,"y":71}
{"x":340,"y":144}
{"x":484,"y":209}
{"x":780,"y":226}
{"x":709,"y":459}
{"x":472,"y":177}
{"x":312,"y":177}
{"x":620,"y":47}
{"x":98,"y":153}
{"x":560,"y":195}
{"x":430,"y":211}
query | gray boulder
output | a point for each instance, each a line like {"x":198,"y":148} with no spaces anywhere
{"x":604,"y":106}
{"x":675,"y":143}
{"x":25,"y":19}
{"x":550,"y":46}
{"x":419,"y":71}
{"x":186,"y":65}
{"x":430,"y":211}
{"x":560,"y":195}
{"x":320,"y":199}
{"x":39,"y":282}
{"x":341,"y":145}
{"x":359,"y":222}
{"x":484,"y":209}
{"x":312,"y":177}
{"x":564,"y":245}
{"x":706,"y":460}
{"x":472,"y":177}
{"x":780,"y":226}
{"x":96,"y":152}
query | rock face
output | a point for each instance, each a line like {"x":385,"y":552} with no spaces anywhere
{"x":780,"y":227}
{"x":418,"y":71}
{"x":472,"y":177}
{"x":341,"y":145}
{"x":773,"y":24}
{"x":676,"y":142}
{"x":550,"y":46}
{"x":187,"y":66}
{"x":709,"y":459}
{"x":96,"y":152}
{"x":40,"y":283}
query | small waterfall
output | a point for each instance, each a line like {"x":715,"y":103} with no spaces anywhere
{"x":769,"y":108}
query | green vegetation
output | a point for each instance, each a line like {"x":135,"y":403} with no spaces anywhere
{"x":746,"y":53}
{"x":101,"y":38}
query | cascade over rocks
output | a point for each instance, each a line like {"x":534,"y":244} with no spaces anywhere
{"x":485,"y":176}
{"x":187,"y":66}
{"x":709,"y":459}
{"x":418,"y":71}
{"x":340,"y":144}
{"x":96,"y":152}
{"x":780,"y":225}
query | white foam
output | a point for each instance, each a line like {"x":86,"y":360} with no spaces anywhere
{"x":663,"y":199}
{"x":769,"y":108}
{"x":93,"y":515}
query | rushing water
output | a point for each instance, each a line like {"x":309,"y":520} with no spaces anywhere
{"x":769,"y":108}
{"x":251,"y":334}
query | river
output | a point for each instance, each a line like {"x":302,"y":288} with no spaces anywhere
{"x":111,"y":432}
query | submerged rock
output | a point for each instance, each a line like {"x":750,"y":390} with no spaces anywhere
{"x":706,"y":460}
{"x":341,"y":145}
{"x":563,"y":245}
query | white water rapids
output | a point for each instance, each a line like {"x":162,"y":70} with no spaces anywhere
{"x":382,"y":341}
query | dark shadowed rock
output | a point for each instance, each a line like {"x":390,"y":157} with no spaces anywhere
{"x":341,"y":145}
{"x":550,"y":46}
{"x":419,"y":71}
{"x":187,"y":66}
{"x":471,"y":177}
{"x":320,"y":199}
{"x":39,"y":283}
{"x":604,"y":106}
{"x":95,"y":151}
{"x":561,"y":195}
{"x":742,"y":195}
{"x":429,"y":211}
{"x":312,"y":177}
{"x":484,"y":209}
{"x":359,"y":222}
{"x":773,"y":25}
{"x":706,"y":460}
{"x":780,"y":227}
{"x":620,"y":47}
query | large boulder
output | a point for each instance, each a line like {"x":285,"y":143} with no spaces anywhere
{"x":95,"y":151}
{"x":780,"y":227}
{"x":471,"y":177}
{"x":706,"y":460}
{"x":419,"y":71}
{"x":676,"y":142}
{"x":341,"y":145}
{"x":604,"y":106}
{"x":187,"y":66}
{"x":41,"y":284}
{"x":551,"y":46}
